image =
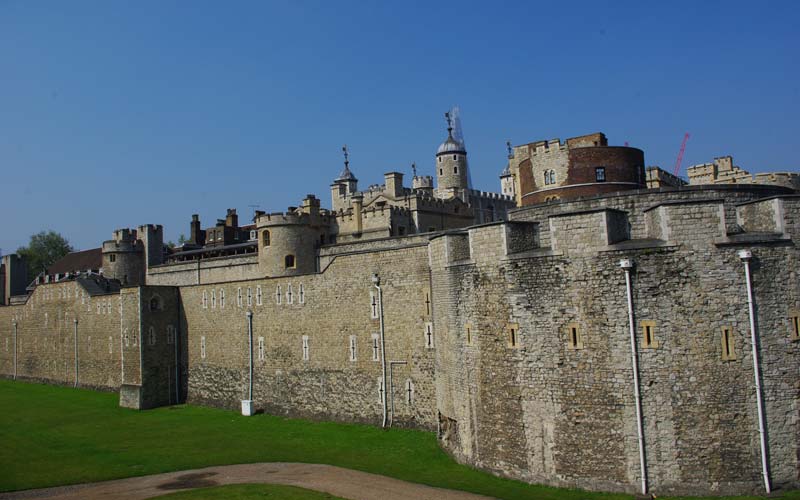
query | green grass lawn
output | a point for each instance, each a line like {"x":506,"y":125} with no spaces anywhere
{"x":55,"y":435}
{"x":250,"y":492}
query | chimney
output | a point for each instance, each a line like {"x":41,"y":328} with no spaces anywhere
{"x":194,"y":230}
{"x":231,"y":219}
{"x":394,"y":184}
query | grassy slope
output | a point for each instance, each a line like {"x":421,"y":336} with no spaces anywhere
{"x":55,"y":435}
{"x":250,"y":491}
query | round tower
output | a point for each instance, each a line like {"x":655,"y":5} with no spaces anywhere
{"x":451,"y":165}
{"x":123,"y":258}
{"x":287,"y":244}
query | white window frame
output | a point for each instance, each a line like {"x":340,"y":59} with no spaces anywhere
{"x":261,"y":352}
{"x":205,"y":299}
{"x":259,"y":296}
{"x":409,"y":391}
{"x":429,"y":340}
{"x":213,"y":298}
{"x":278,"y":295}
{"x":289,"y":294}
{"x":249,"y":296}
{"x":376,"y":347}
{"x":203,"y":347}
{"x":353,"y":348}
{"x":222,"y":298}
{"x":239,"y":297}
{"x":374,"y":308}
{"x":306,"y":349}
{"x":301,"y":294}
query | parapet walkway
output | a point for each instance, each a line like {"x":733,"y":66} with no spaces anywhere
{"x":345,"y":483}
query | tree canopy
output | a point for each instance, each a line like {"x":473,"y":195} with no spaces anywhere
{"x":44,"y":249}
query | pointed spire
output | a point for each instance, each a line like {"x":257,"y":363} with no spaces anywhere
{"x":346,"y":174}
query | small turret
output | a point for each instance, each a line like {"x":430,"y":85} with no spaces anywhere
{"x":123,"y":258}
{"x":451,"y":166}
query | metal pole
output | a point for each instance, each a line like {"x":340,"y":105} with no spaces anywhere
{"x":626,"y":265}
{"x":250,"y":343}
{"x":75,"y":323}
{"x":15,"y":350}
{"x":376,"y":281}
{"x":746,"y":255}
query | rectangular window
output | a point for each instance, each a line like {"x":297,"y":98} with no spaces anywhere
{"x":301,"y":293}
{"x":373,"y":303}
{"x":728,"y":350}
{"x":289,"y":294}
{"x":213,"y":299}
{"x":112,"y":258}
{"x":261,"y":348}
{"x":249,"y":296}
{"x":278,"y":295}
{"x":376,"y":347}
{"x":352,"y":347}
{"x":429,"y":335}
{"x":794,"y":326}
{"x":259,"y":297}
{"x":305,"y":348}
{"x":600,"y":174}
{"x":649,"y":335}
{"x":239,"y":296}
{"x":574,"y":336}
{"x":512,"y":334}
{"x":222,"y":298}
{"x":205,"y":300}
{"x":202,"y":347}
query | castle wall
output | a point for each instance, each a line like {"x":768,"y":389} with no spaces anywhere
{"x":45,"y":337}
{"x":336,"y":304}
{"x":215,"y":270}
{"x":545,"y":408}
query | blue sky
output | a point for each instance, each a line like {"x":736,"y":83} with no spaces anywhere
{"x":115,"y":114}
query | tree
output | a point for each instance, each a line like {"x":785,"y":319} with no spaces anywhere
{"x":182,"y":240}
{"x":44,"y":249}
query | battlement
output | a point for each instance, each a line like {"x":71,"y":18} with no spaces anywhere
{"x":488,"y":195}
{"x":124,"y":240}
{"x":283,"y":219}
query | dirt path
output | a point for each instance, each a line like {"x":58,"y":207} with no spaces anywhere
{"x":345,"y":483}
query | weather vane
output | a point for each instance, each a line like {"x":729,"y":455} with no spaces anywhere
{"x":510,"y":150}
{"x":346,"y":155}
{"x":414,"y":168}
{"x":449,"y":121}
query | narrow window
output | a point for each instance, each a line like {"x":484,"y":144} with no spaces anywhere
{"x":289,"y":294}
{"x":574,"y":336}
{"x":265,"y":238}
{"x":249,"y":296}
{"x":89,"y":343}
{"x":352,"y":347}
{"x":127,"y":340}
{"x":261,"y":348}
{"x":429,"y":335}
{"x":289,"y":262}
{"x":213,"y":299}
{"x":380,"y":389}
{"x":794,"y":326}
{"x":112,"y":258}
{"x":259,"y":296}
{"x":373,"y":303}
{"x":409,"y":391}
{"x":468,"y":330}
{"x":552,"y":177}
{"x":222,"y":298}
{"x":455,"y":170}
{"x":111,"y":345}
{"x":278,"y":295}
{"x":512,"y":332}
{"x":170,"y":334}
{"x":427,"y":297}
{"x":455,"y":157}
{"x":440,"y":159}
{"x":728,"y":351}
{"x":202,"y":347}
{"x":600,"y":174}
{"x":546,"y":177}
{"x":205,"y":300}
{"x":239,"y":296}
{"x":376,"y":347}
{"x":441,"y":171}
{"x":301,"y":291}
{"x":151,"y":336}
{"x":649,"y":335}
{"x":305,"y":348}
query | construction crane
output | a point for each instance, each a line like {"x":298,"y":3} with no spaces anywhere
{"x":680,"y":156}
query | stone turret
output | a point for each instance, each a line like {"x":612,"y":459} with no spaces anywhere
{"x":152,"y":237}
{"x":123,"y":258}
{"x":16,"y":277}
{"x":451,"y":166}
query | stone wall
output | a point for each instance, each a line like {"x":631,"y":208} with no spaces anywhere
{"x":534,"y":372}
{"x":306,"y":324}
{"x":216,"y":270}
{"x":46,"y":337}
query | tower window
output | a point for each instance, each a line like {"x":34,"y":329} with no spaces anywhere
{"x":728,"y":350}
{"x":600,"y":174}
{"x":455,"y":170}
{"x":266,"y":238}
{"x":512,"y":333}
{"x":353,"y":350}
{"x":261,"y":348}
{"x":429,"y":335}
{"x":794,"y":326}
{"x":455,"y":157}
{"x":289,"y":262}
{"x":440,"y":159}
{"x":441,"y":171}
{"x":112,"y":258}
{"x":574,"y":336}
{"x":649,"y":335}
{"x":155,"y":304}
